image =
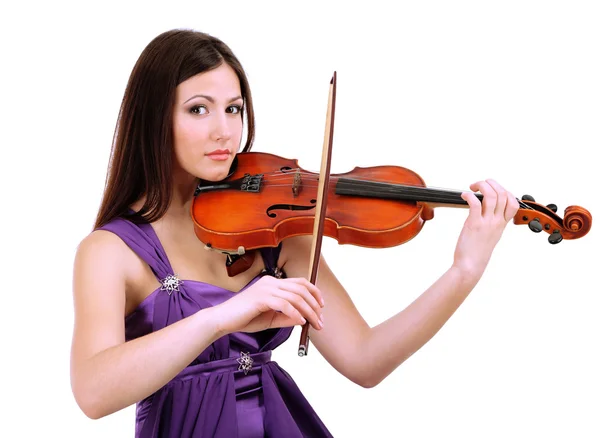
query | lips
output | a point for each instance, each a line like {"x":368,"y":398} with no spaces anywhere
{"x":219,"y":152}
{"x":219,"y":155}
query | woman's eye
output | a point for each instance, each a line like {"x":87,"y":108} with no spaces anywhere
{"x":198,"y":109}
{"x":234,"y":109}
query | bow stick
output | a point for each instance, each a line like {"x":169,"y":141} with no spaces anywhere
{"x":319,"y":223}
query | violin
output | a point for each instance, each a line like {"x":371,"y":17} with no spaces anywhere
{"x":267,"y":198}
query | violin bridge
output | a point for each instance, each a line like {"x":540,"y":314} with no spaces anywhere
{"x":297,"y":184}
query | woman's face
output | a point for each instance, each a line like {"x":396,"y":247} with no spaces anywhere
{"x":207,"y":123}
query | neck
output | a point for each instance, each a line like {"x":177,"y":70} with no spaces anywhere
{"x":375,"y":189}
{"x":181,"y":198}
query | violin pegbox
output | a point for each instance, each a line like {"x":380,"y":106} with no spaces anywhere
{"x":576,"y":223}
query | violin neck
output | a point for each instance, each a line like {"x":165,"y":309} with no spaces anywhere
{"x":400,"y":192}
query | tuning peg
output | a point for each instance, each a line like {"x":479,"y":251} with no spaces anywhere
{"x":528,"y":198}
{"x":552,"y":207}
{"x":555,"y":237}
{"x":535,"y":225}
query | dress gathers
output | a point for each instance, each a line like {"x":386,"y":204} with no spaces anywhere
{"x":233,"y":388}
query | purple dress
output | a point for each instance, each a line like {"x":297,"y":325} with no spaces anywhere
{"x":233,"y":388}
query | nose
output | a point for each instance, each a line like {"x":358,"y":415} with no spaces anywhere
{"x":221,"y":130}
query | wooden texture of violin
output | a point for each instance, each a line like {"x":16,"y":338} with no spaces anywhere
{"x":284,"y":206}
{"x":267,"y":199}
{"x":576,"y":223}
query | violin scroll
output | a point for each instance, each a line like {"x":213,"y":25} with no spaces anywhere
{"x":576,"y":223}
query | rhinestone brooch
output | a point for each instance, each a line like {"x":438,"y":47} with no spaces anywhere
{"x":171,"y":284}
{"x":245,"y":362}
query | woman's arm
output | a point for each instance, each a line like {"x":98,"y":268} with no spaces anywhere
{"x":367,"y":355}
{"x":107,"y":373}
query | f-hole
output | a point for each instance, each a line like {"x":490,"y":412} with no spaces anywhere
{"x":271,"y":210}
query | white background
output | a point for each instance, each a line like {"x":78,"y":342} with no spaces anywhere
{"x":456,"y":91}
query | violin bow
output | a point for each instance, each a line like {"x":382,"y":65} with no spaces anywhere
{"x":315,"y":253}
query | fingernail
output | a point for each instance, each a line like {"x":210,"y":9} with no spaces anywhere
{"x":303,"y":321}
{"x":322,"y":302}
{"x":321,"y":320}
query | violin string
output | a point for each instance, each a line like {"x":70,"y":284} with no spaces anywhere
{"x":439,"y":198}
{"x":313,"y":177}
{"x":443,"y":195}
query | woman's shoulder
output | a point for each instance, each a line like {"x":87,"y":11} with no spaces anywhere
{"x":101,"y":241}
{"x":102,"y":249}
{"x":109,"y":239}
{"x":104,"y":252}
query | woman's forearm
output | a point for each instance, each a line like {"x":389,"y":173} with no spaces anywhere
{"x":396,"y":339}
{"x":126,"y":373}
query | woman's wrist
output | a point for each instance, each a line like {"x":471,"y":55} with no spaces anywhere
{"x":465,"y":276}
{"x":210,"y":322}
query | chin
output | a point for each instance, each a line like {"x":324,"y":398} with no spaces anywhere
{"x":215,"y":171}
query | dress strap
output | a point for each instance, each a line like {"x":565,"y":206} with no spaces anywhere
{"x":142,"y":240}
{"x":270,"y":257}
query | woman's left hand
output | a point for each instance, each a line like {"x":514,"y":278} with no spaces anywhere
{"x":483,"y":227}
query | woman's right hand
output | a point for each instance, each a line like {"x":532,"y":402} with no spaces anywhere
{"x":271,"y":303}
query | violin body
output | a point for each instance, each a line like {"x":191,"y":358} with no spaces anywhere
{"x":266,"y":199}
{"x":229,"y":218}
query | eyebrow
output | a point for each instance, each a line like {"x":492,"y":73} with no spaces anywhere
{"x":210,"y":99}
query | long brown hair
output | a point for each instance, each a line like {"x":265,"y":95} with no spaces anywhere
{"x":142,"y":149}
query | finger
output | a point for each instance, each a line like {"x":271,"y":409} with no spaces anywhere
{"x":489,"y":197}
{"x":301,"y":288}
{"x":474,"y":203}
{"x":286,"y":308}
{"x":298,"y":300}
{"x":512,"y":207}
{"x":501,"y":198}
{"x":281,"y":320}
{"x":312,"y":289}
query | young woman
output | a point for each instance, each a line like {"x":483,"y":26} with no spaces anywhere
{"x":160,"y":323}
